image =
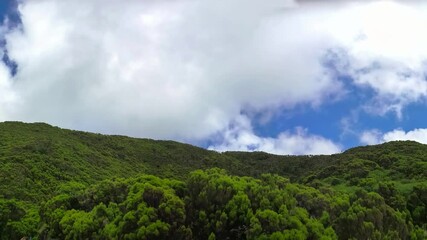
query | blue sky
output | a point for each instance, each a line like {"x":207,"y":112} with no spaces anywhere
{"x":287,"y":77}
{"x":5,"y":6}
{"x":8,"y":9}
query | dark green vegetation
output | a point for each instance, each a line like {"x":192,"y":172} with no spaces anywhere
{"x":62,"y":184}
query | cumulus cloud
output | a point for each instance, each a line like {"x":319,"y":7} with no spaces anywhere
{"x":8,"y":97}
{"x":383,"y":48}
{"x":371,"y":137}
{"x":375,"y":136}
{"x":163,"y":69}
{"x":241,"y":137}
{"x":419,"y":135}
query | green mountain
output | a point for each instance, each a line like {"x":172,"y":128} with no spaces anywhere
{"x":63,"y":184}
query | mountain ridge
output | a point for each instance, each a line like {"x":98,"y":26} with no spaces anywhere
{"x":60,"y":150}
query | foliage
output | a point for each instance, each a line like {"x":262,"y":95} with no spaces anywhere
{"x":213,"y":205}
{"x":63,"y":184}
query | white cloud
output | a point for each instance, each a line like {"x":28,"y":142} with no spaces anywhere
{"x":383,"y":47}
{"x":371,"y":137}
{"x":241,"y":137}
{"x":162,"y":69}
{"x":375,"y":136}
{"x":8,"y":97}
{"x":419,"y":135}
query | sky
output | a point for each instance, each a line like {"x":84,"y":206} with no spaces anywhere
{"x":280,"y":76}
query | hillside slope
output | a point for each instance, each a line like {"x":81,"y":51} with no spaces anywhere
{"x":41,"y":165}
{"x":37,"y":157}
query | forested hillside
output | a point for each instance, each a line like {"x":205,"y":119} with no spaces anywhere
{"x":63,"y":184}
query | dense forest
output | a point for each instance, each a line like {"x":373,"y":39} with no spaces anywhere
{"x":62,"y":184}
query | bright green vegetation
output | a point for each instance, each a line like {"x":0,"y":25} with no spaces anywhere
{"x":63,"y":184}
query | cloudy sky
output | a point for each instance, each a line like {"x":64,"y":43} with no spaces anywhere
{"x":281,"y":76}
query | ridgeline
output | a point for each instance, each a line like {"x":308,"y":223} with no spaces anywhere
{"x":63,"y":184}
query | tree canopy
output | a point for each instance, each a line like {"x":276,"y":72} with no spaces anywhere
{"x":62,"y":184}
